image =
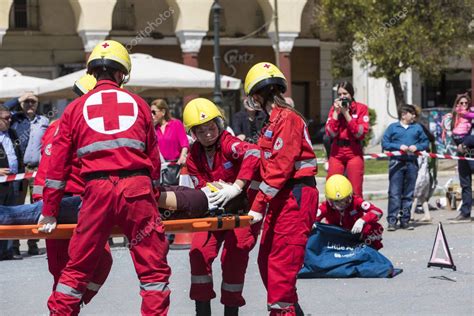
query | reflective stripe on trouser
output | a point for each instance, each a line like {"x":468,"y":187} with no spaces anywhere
{"x":135,"y":212}
{"x":205,"y":247}
{"x":285,"y":232}
{"x":57,"y":253}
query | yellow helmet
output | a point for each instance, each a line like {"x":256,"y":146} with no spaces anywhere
{"x":110,"y":54}
{"x":338,"y":188}
{"x":264,"y":74}
{"x":199,"y":111}
{"x":84,"y":84}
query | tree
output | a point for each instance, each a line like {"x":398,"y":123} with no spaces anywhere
{"x":393,"y":35}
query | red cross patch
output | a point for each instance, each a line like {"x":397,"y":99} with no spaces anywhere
{"x":203,"y":115}
{"x":110,"y":111}
{"x":105,"y":45}
{"x":266,"y":66}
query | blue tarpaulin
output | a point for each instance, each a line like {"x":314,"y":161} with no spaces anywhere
{"x":332,"y":252}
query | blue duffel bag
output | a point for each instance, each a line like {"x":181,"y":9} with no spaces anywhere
{"x":332,"y":252}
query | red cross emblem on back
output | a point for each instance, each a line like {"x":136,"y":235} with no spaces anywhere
{"x":105,"y":45}
{"x":110,"y":110}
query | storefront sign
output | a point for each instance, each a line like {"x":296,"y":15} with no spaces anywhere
{"x":233,"y":57}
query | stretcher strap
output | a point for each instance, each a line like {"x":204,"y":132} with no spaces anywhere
{"x":237,"y":221}
{"x":220,"y":223}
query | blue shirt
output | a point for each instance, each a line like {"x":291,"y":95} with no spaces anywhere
{"x":397,"y":135}
{"x":37,"y":128}
{"x":29,"y":133}
{"x":10,"y":151}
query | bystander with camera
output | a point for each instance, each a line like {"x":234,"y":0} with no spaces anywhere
{"x":347,"y":125}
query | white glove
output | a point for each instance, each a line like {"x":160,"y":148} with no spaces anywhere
{"x":256,"y":217}
{"x":48,"y":222}
{"x":358,"y":225}
{"x":207,"y":191}
{"x":224,"y":195}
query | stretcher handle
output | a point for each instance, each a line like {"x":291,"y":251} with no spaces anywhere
{"x":202,"y":224}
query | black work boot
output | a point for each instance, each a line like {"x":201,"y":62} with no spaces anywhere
{"x":231,"y":310}
{"x":298,"y":310}
{"x":203,"y":308}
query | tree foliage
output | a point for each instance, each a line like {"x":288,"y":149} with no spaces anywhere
{"x":394,"y":35}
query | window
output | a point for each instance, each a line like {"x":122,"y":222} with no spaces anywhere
{"x":123,"y":17}
{"x":24,"y":14}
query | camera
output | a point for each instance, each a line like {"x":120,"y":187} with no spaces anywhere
{"x":345,"y":102}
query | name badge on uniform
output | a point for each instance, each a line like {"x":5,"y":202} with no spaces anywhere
{"x":355,"y":115}
{"x":228,"y":165}
{"x":267,"y":154}
{"x":268,"y":134}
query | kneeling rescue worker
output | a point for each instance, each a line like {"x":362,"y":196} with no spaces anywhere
{"x":288,"y":190}
{"x":111,"y":130}
{"x":344,"y":209}
{"x":217,"y":155}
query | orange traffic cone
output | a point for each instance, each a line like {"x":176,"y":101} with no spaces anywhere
{"x":182,"y":241}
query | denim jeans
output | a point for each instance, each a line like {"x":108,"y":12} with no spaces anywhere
{"x":28,"y":214}
{"x":465,"y":169}
{"x":402,"y":180}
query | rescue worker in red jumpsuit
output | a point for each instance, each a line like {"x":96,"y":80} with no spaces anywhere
{"x":57,"y":249}
{"x":347,"y":125}
{"x":288,"y":190}
{"x":112,"y":133}
{"x":217,"y":155}
{"x":343,"y":209}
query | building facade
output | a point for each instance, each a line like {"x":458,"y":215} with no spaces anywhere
{"x":50,"y":38}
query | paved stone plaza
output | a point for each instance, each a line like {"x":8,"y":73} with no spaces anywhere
{"x":25,"y":285}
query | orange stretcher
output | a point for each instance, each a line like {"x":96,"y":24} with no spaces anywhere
{"x":64,"y":231}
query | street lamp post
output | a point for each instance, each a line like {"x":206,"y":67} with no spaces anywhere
{"x":216,"y":10}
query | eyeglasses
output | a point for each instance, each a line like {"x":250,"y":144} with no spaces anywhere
{"x":463,"y":103}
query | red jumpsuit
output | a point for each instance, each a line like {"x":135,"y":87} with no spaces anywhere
{"x":112,"y":133}
{"x":233,"y":159}
{"x":57,"y":249}
{"x":372,"y":231}
{"x":346,"y":149}
{"x":288,"y":192}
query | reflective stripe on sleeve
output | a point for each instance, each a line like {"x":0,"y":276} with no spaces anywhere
{"x":252,"y":152}
{"x":93,"y":286}
{"x":254,"y":185}
{"x":201,"y":279}
{"x":67,"y":290}
{"x":55,"y":184}
{"x":37,"y":189}
{"x":305,"y":164}
{"x":154,"y":286}
{"x":232,"y":287}
{"x":268,"y":190}
{"x":378,"y":214}
{"x":111,"y":144}
{"x":360,"y":131}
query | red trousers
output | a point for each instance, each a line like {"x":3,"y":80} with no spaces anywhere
{"x":287,"y":225}
{"x":234,"y":259}
{"x":57,"y":252}
{"x":130,"y":204}
{"x":349,"y":161}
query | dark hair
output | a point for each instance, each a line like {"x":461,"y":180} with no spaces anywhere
{"x":408,"y":108}
{"x":346,"y":85}
{"x":162,"y":105}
